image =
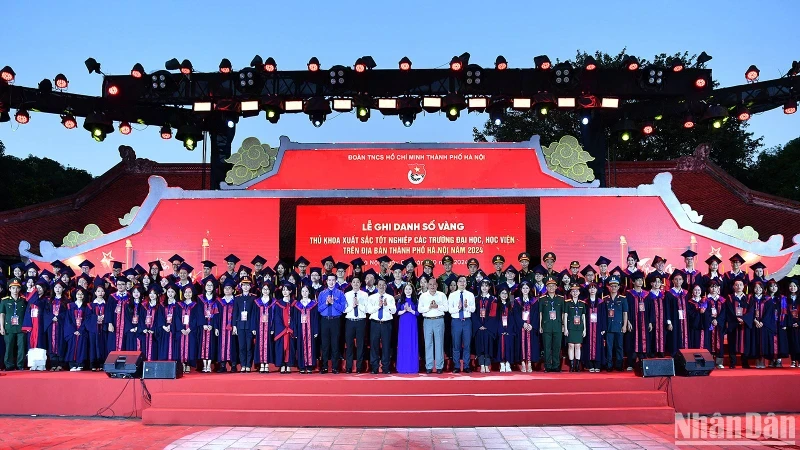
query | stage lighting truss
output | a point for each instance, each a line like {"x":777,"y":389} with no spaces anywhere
{"x":98,"y":125}
{"x":652,"y":78}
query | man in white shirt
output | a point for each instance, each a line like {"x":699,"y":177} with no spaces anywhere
{"x":432,"y":305}
{"x":461,"y":305}
{"x":380,"y":307}
{"x":355,"y":325}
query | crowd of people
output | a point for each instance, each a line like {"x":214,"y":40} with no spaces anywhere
{"x":397,"y":319}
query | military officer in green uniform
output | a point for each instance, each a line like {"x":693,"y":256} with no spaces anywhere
{"x":575,"y":321}
{"x":525,"y":273}
{"x":441,"y":280}
{"x":498,"y":276}
{"x":551,"y":316}
{"x":549,"y":260}
{"x":474,"y":266}
{"x":12,"y":311}
{"x":616,"y":307}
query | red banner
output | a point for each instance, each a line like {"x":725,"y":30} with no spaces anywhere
{"x":404,"y":231}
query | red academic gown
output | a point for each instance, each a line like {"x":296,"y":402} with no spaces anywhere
{"x":281,"y":330}
{"x":305,"y":326}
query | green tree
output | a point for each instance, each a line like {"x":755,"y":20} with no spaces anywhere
{"x":733,"y":147}
{"x":33,"y":180}
{"x":778,"y":171}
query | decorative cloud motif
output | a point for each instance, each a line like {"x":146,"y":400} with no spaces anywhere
{"x":731,"y":228}
{"x":74,"y":238}
{"x":252,"y":160}
{"x":795,"y":271}
{"x":128,"y":217}
{"x":568,"y":158}
{"x":693,"y":216}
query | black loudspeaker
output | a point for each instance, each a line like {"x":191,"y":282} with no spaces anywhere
{"x":694,"y":362}
{"x":123,"y":365}
{"x":656,"y":367}
{"x":161,"y":370}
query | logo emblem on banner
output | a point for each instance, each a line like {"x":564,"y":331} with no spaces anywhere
{"x":416,"y":173}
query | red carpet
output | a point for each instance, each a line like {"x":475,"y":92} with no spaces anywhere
{"x":402,"y":400}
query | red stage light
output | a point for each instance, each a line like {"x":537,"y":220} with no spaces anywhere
{"x":405,"y":66}
{"x":545,"y":65}
{"x":7,"y":74}
{"x":313,"y":64}
{"x":186,"y":70}
{"x":633,"y":66}
{"x":500,"y":63}
{"x":360,"y":67}
{"x":113,"y":90}
{"x":790,"y":107}
{"x":455,"y":64}
{"x":125,"y":128}
{"x":647,"y":130}
{"x":225,"y":70}
{"x":137,"y":71}
{"x":677,"y":67}
{"x":752,"y":73}
{"x":166,"y":132}
{"x":742,"y":113}
{"x":61,"y":81}
{"x":22,"y":117}
{"x":700,"y":82}
{"x":502,"y":66}
{"x":744,"y":116}
{"x":269,"y":67}
{"x":688,"y":123}
{"x":591,"y":66}
{"x":69,"y":121}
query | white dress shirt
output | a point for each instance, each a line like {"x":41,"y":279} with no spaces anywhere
{"x":363,"y":299}
{"x":372,"y":307}
{"x":454,"y":299}
{"x":425,"y":301}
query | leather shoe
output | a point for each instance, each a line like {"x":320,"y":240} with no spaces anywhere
{"x":374,"y":372}
{"x":387,"y":372}
{"x":439,"y":371}
{"x":428,"y":370}
{"x":349,"y":370}
{"x":323,"y":371}
{"x":456,"y":370}
{"x":334,"y":371}
{"x":467,"y":370}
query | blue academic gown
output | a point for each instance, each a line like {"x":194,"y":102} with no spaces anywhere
{"x":149,"y":345}
{"x":281,"y":330}
{"x":168,"y":316}
{"x":263,"y":347}
{"x":54,"y":329}
{"x":484,"y":340}
{"x":189,"y":316}
{"x":207,"y":340}
{"x":305,"y":329}
{"x":115,"y":315}
{"x":227,"y":342}
{"x":766,"y":338}
{"x":77,"y":345}
{"x":134,"y":319}
{"x":33,"y":322}
{"x":98,"y":333}
{"x":506,"y":343}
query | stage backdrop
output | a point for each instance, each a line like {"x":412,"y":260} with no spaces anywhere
{"x":402,"y":231}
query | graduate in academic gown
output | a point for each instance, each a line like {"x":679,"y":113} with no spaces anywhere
{"x":718,"y":328}
{"x":483,"y":326}
{"x":539,"y":288}
{"x":134,"y":322}
{"x":762,"y":335}
{"x":168,"y":324}
{"x":305,"y":330}
{"x":698,"y":317}
{"x":528,"y":311}
{"x":54,"y":316}
{"x":263,"y":348}
{"x":115,"y":317}
{"x":510,"y":282}
{"x":97,"y":326}
{"x":655,"y":297}
{"x":281,"y":329}
{"x":244,"y":325}
{"x":227,"y":343}
{"x":207,"y":327}
{"x":781,"y":341}
{"x":675,"y":299}
{"x":691,"y":275}
{"x":191,"y":318}
{"x":75,"y":333}
{"x":792,"y":321}
{"x":640,"y":321}
{"x":33,"y":321}
{"x":740,"y":312}
{"x":713,"y":273}
{"x":593,"y":352}
{"x":507,"y":328}
{"x":150,"y":310}
{"x":735,"y":274}
{"x":408,"y":331}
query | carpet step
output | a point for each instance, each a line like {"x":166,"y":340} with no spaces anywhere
{"x":408,"y":402}
{"x":428,"y":418}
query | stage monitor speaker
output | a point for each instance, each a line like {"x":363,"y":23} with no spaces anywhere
{"x":694,"y":362}
{"x":162,"y":370}
{"x":656,"y":367}
{"x":123,"y":365}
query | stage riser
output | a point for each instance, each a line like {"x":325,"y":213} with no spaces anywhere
{"x":409,"y":403}
{"x":436,"y":418}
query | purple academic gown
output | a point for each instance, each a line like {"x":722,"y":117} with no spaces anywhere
{"x":281,"y":331}
{"x":148,"y":340}
{"x":56,"y":346}
{"x":207,"y":339}
{"x":407,"y":338}
{"x":263,"y":347}
{"x":98,"y":333}
{"x":305,"y":326}
{"x":188,"y":315}
{"x":507,"y":330}
{"x":134,"y":318}
{"x":168,"y":316}
{"x":77,"y":345}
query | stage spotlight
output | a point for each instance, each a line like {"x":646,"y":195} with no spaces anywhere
{"x":606,"y":102}
{"x":61,"y":81}
{"x":317,"y":109}
{"x":405,"y":64}
{"x":225,"y":66}
{"x":137,"y":71}
{"x":452,"y":104}
{"x":742,"y":113}
{"x":45,"y":86}
{"x":407,"y":118}
{"x":113,"y":90}
{"x":700,"y":82}
{"x":752,"y":73}
{"x":563,"y":73}
{"x":172,"y":64}
{"x":542,"y":62}
{"x":500,"y":63}
{"x":544,"y":109}
{"x":653,"y":76}
{"x":249,"y":108}
{"x":125,"y":128}
{"x":230,"y":123}
{"x":387,"y":103}
{"x":92,"y":65}
{"x":585,"y":116}
{"x":338,"y":75}
{"x":455,"y":64}
{"x":161,"y":80}
{"x":589,"y":63}
{"x":190,"y":136}
{"x":496,"y":116}
{"x":22,"y":116}
{"x":8,"y":74}
{"x":365,"y":63}
{"x":186,"y":67}
{"x":317,"y":119}
{"x":677,"y":65}
{"x":431,"y":104}
{"x":521,"y":104}
{"x":270,"y":65}
{"x":688,"y":121}
{"x":478,"y":104}
{"x":249,"y":79}
{"x":313,"y":64}
{"x":566,"y":102}
{"x":407,"y":109}
{"x":273,"y":114}
{"x":648,"y":128}
{"x":717,"y":115}
{"x":294,"y":105}
{"x":630,"y":62}
{"x":343,"y":104}
{"x":794,"y":70}
{"x":790,"y":107}
{"x":166,"y":132}
{"x":474,"y":74}
{"x":625,"y":128}
{"x":202,"y":106}
{"x":98,"y":125}
{"x":702,"y":59}
{"x":363,"y":113}
{"x":69,"y":122}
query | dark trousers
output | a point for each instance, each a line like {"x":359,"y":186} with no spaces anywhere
{"x":245,"y":338}
{"x":552,"y":349}
{"x":15,"y":346}
{"x":614,"y":349}
{"x":354,"y":340}
{"x":380,"y":335}
{"x":330,"y":329}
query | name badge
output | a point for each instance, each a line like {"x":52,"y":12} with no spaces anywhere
{"x":526,"y":315}
{"x":611,"y":313}
{"x":186,"y":319}
{"x":169,"y":319}
{"x":304,"y":318}
{"x":78,"y":321}
{"x":739,"y":311}
{"x":147,"y":320}
{"x":34,"y":312}
{"x":681,"y":315}
{"x":244,"y":316}
{"x":552,"y":315}
{"x":118,"y":309}
{"x":593,"y":317}
{"x":505,"y":321}
{"x":713,"y":311}
{"x":483,"y":313}
{"x":264,"y":318}
{"x":641,"y":306}
{"x":14,"y":320}
{"x":135,"y":319}
{"x":576,"y":320}
{"x":208,"y":314}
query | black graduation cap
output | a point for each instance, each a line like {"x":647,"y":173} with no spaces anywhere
{"x":634,"y":255}
{"x":229,"y":281}
{"x":139,"y":269}
{"x":117,"y":264}
{"x":46,"y":273}
{"x":602,"y":260}
{"x":792,"y":280}
{"x":653,"y":276}
{"x":562,"y":273}
{"x":210,"y":278}
{"x":586,"y":270}
{"x":328,"y":259}
{"x":736,"y":257}
{"x":498,"y":259}
{"x":129,"y":272}
{"x":86,"y":277}
{"x":19,"y":266}
{"x":156,"y":263}
{"x":176,"y":258}
{"x":86,"y":263}
{"x":358,"y":262}
{"x":410,"y":261}
{"x":677,"y":272}
{"x":31,"y":265}
{"x":291,"y":287}
{"x":689,"y":254}
{"x":713,"y":258}
{"x":540,"y":269}
{"x":268,"y":271}
{"x":303,"y":260}
{"x":511,"y":269}
{"x":636,"y":275}
{"x":232,"y":258}
{"x":758,"y":265}
{"x":245,"y":268}
{"x":258,"y":259}
{"x":207,"y":263}
{"x":384,"y":259}
{"x":341,"y":265}
{"x":616,"y":269}
{"x":397,"y":266}
{"x":68,"y":271}
{"x":371,"y":271}
{"x":657,"y":259}
{"x":57,"y":264}
{"x":189,"y":286}
{"x":317,"y":270}
{"x":483,"y":274}
{"x":63,"y":286}
{"x":154,"y":287}
{"x":185,"y":266}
